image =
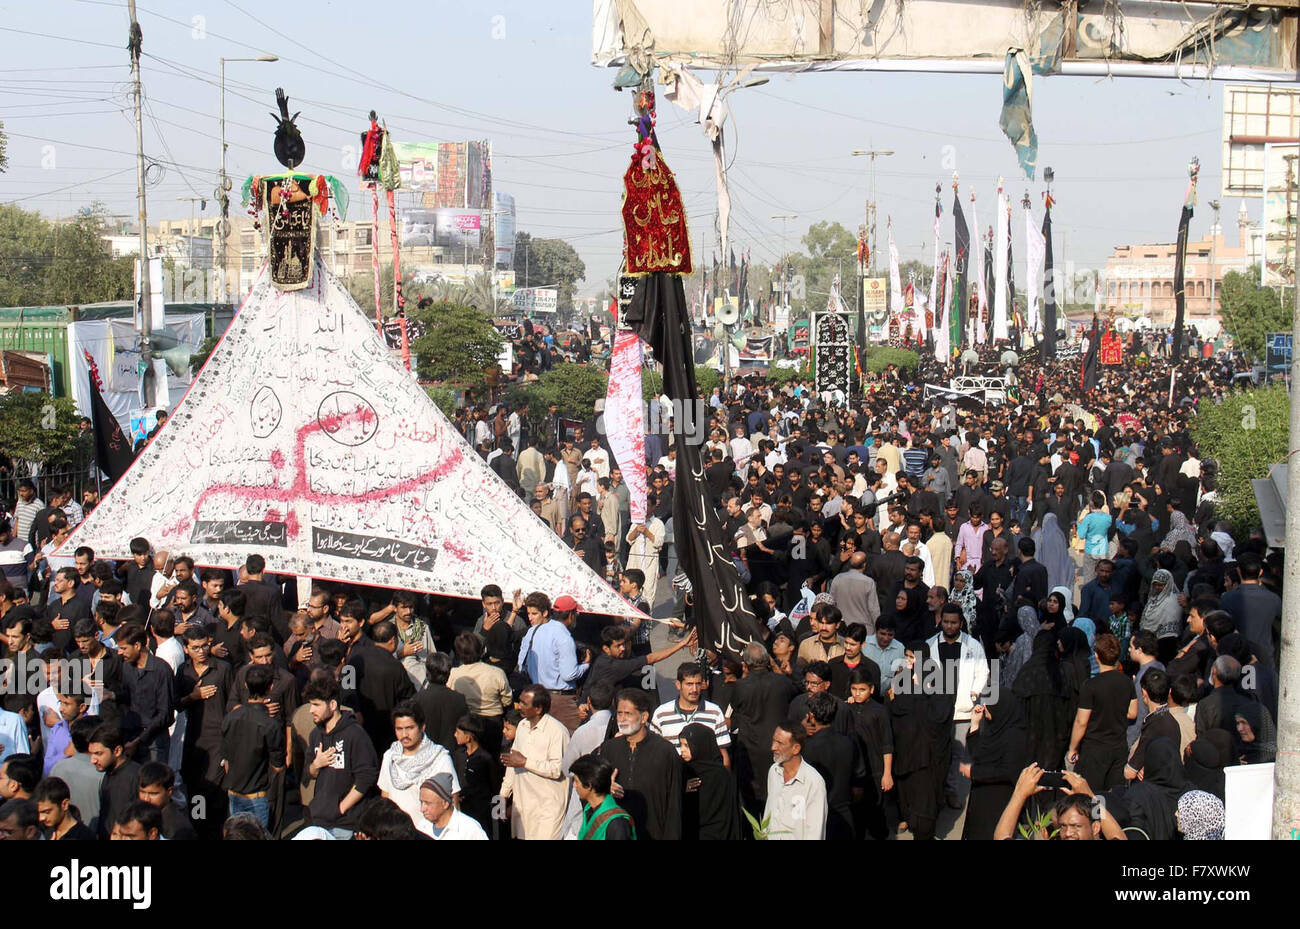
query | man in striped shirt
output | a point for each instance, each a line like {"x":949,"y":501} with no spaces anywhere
{"x":690,"y":707}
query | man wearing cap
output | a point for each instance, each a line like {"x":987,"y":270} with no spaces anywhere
{"x":441,"y":818}
{"x":547,"y":655}
{"x":999,"y":502}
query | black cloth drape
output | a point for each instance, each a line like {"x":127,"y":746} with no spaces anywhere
{"x":722,"y":614}
{"x":112,"y":450}
{"x":961,"y":242}
{"x":1180,"y":286}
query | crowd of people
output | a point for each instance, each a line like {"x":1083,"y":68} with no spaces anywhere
{"x":1005,"y":611}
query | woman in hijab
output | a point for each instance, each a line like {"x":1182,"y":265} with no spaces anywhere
{"x":1162,"y":615}
{"x":1089,"y":629}
{"x":998,"y":746}
{"x":1225,"y":543}
{"x":1180,"y":530}
{"x":1053,"y":553}
{"x":711,"y":809}
{"x":963,"y":594}
{"x":1255,"y":738}
{"x":1044,"y":694}
{"x":1059,"y":606}
{"x":1023,"y":647}
{"x":919,"y":721}
{"x":909,"y":615}
{"x":1152,"y":800}
{"x":1207,"y":756}
{"x":1200,"y":816}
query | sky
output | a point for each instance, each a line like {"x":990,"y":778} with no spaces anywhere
{"x":519,"y":72}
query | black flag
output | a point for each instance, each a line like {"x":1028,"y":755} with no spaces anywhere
{"x":961,"y":242}
{"x":1088,"y":373}
{"x":1049,"y":300}
{"x":1180,"y":259}
{"x":722,"y":614}
{"x":112,"y":451}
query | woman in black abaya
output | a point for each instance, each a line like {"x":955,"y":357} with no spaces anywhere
{"x":998,"y":744}
{"x":1045,"y":701}
{"x":1152,"y":801}
{"x":712,"y":807}
{"x":919,"y":720}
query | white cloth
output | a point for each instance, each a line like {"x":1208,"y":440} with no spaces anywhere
{"x":643,"y":554}
{"x":459,"y":827}
{"x":409,"y":798}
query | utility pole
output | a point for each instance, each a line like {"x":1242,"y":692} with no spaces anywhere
{"x":785,"y":258}
{"x":1286,"y":770}
{"x":873,"y":154}
{"x":1214,"y":255}
{"x":135,"y":44}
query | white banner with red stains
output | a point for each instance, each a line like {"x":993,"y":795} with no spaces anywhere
{"x":304,"y":440}
{"x":624,"y":418}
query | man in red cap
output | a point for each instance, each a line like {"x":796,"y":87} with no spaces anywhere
{"x":547,"y":656}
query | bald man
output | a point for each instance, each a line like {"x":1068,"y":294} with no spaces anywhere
{"x":855,"y":593}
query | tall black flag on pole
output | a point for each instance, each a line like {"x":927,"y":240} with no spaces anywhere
{"x":1180,"y":260}
{"x":1049,"y":299}
{"x":961,"y":243}
{"x":658,"y":254}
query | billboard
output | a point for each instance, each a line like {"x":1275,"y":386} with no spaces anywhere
{"x":504,"y":206}
{"x":445,"y":175}
{"x":451,"y":229}
{"x":536,"y":300}
{"x":1280,"y":167}
{"x":1277,"y":348}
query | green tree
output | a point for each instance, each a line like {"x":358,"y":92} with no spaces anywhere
{"x":880,"y":357}
{"x":831,"y":249}
{"x":362,"y":288}
{"x":443,"y":398}
{"x":1246,"y":433}
{"x":574,"y":387}
{"x":1250,"y":312}
{"x":69,"y":262}
{"x":38,"y":428}
{"x":548,"y":263}
{"x":460,"y":345}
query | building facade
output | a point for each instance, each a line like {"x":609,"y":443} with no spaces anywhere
{"x":1140,"y":278}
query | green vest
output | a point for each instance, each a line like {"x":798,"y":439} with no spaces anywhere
{"x":589,"y":816}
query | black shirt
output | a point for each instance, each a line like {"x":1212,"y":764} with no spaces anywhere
{"x":835,"y":757}
{"x":148,"y":693}
{"x":251,"y":744}
{"x":78,"y":833}
{"x":117,"y":791}
{"x":76,"y":608}
{"x":1108,"y":696}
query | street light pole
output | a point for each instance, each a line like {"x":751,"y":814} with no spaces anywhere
{"x":785,"y":261}
{"x":1214,"y":254}
{"x":223,"y":183}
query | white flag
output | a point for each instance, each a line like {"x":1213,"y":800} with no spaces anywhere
{"x":1035,"y":254}
{"x":1000,"y":267}
{"x":895,"y":285}
{"x":942,"y":344}
{"x":976,"y":264}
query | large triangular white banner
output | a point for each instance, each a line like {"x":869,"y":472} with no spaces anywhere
{"x":304,"y":440}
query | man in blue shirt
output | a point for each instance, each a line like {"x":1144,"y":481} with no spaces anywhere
{"x":548,"y":656}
